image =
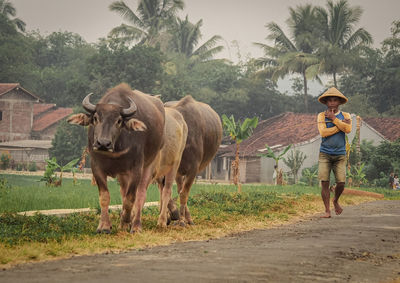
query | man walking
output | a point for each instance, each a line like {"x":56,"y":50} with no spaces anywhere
{"x":333,"y":125}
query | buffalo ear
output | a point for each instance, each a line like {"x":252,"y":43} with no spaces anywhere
{"x":79,"y":119}
{"x":136,"y":125}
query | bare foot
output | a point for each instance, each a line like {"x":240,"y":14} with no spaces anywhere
{"x":338,"y":208}
{"x":326,"y":215}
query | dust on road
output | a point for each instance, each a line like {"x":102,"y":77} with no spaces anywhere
{"x":361,"y":245}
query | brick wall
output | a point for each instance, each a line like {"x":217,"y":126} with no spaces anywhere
{"x":17,"y":116}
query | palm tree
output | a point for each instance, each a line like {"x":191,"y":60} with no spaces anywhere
{"x":8,"y":10}
{"x":148,"y":22}
{"x":186,"y":36}
{"x":339,"y":40}
{"x":238,"y":132}
{"x":291,"y":54}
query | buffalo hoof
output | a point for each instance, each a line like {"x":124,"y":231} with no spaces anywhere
{"x":182,"y":223}
{"x":175,"y":215}
{"x":124,"y":226}
{"x":161,"y":225}
{"x":190,"y":222}
{"x":103,"y":231}
{"x":135,"y":230}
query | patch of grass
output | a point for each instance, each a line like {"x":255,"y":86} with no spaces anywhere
{"x":24,"y":193}
{"x":388,"y":193}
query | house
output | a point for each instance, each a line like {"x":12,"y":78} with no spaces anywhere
{"x":16,"y":112}
{"x":27,"y":125}
{"x":301,"y":131}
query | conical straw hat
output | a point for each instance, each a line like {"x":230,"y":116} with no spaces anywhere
{"x":332,"y":92}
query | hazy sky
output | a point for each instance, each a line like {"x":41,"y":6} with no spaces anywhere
{"x":240,"y":20}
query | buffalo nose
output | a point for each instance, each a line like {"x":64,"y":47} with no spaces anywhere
{"x":103,"y":144}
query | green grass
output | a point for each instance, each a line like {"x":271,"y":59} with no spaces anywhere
{"x":24,"y":193}
{"x":207,"y":206}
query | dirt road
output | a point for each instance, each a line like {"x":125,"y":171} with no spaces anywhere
{"x":362,"y":245}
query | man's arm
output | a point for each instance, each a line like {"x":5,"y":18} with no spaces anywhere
{"x":323,"y":130}
{"x":345,"y":125}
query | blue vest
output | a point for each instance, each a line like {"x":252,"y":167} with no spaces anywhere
{"x":335,"y":144}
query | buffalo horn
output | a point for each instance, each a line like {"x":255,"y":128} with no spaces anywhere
{"x":89,"y":107}
{"x":131,"y":110}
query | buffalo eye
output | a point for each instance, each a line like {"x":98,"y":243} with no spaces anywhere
{"x":119,"y":121}
{"x":95,"y":119}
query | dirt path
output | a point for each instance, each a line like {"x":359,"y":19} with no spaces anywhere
{"x":362,"y":245}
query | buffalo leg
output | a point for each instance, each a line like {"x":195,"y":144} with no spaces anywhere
{"x":173,"y":209}
{"x":127,"y":201}
{"x":184,"y":196}
{"x":104,"y":200}
{"x":140,"y":199}
{"x":165,"y":196}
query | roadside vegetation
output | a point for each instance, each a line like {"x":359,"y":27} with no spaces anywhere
{"x":218,"y":210}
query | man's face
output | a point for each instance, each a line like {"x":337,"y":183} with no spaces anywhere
{"x":333,"y":102}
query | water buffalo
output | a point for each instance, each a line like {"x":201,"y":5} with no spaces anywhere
{"x":125,"y":136}
{"x":204,"y":137}
{"x":167,"y":162}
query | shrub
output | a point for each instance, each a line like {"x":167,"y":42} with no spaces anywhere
{"x":32,"y":166}
{"x":5,"y":160}
{"x":20,"y":166}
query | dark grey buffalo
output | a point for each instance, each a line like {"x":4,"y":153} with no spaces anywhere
{"x":125,"y":136}
{"x":203,"y":140}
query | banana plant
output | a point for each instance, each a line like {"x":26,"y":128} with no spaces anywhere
{"x":50,"y":177}
{"x":310,"y":176}
{"x":238,"y":132}
{"x":271,"y":154}
{"x":357,"y":175}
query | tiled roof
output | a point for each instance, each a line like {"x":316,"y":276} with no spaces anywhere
{"x":50,"y":118}
{"x":4,"y":88}
{"x":41,"y":107}
{"x":279,"y":131}
{"x":388,"y":127}
{"x":7,"y":87}
{"x":46,"y":144}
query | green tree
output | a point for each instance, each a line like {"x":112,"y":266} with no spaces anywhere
{"x":340,"y":43}
{"x":185,"y":38}
{"x":238,"y":132}
{"x":61,"y":62}
{"x":148,"y":23}
{"x":271,"y":154}
{"x":139,"y":66}
{"x":375,"y":77}
{"x":294,"y":161}
{"x":294,"y":53}
{"x":68,"y":143}
{"x":8,"y":10}
{"x":384,"y":158}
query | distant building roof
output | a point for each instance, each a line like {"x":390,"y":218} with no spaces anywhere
{"x":41,"y":108}
{"x":388,"y":127}
{"x":7,"y":87}
{"x":50,"y":118}
{"x":44,"y":144}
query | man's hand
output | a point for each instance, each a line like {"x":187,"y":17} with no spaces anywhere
{"x":330,"y":114}
{"x":347,"y":121}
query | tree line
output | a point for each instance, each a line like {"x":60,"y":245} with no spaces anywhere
{"x":155,"y":51}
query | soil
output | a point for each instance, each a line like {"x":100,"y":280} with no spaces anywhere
{"x":361,"y":245}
